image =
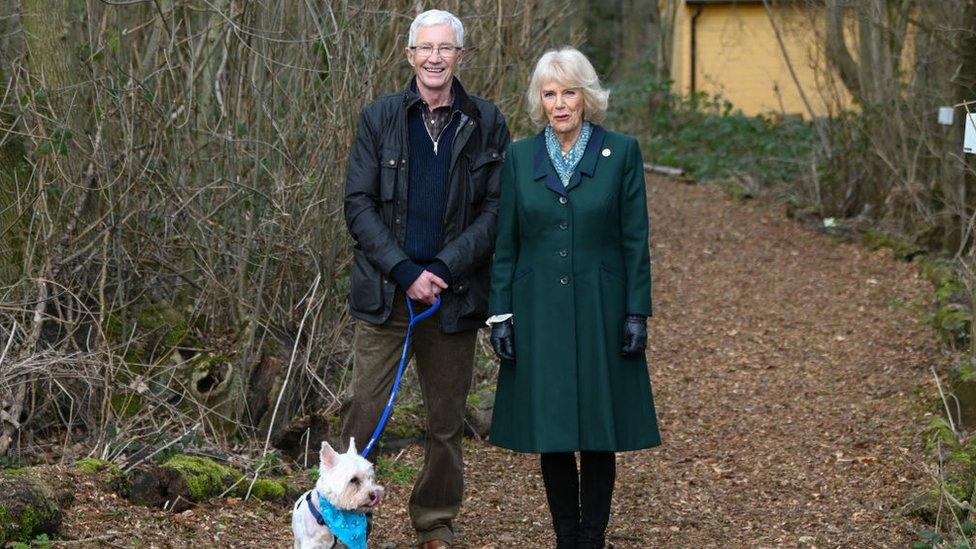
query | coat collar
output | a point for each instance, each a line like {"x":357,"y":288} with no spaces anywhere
{"x":462,"y":101}
{"x":586,"y":166}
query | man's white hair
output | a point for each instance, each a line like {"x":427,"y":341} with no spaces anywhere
{"x":431,"y":18}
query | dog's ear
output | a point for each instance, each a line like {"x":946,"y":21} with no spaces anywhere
{"x":328,"y":456}
{"x":352,"y":446}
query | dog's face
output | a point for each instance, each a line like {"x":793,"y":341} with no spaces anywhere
{"x":347,"y":480}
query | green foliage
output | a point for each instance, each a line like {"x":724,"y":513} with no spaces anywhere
{"x":901,"y":248}
{"x":41,"y":540}
{"x":952,"y":313}
{"x":395,"y":471}
{"x":705,"y":135}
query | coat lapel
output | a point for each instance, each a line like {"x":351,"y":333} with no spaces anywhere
{"x":543,"y":167}
{"x":587,"y":164}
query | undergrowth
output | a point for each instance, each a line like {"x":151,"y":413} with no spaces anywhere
{"x":707,"y":136}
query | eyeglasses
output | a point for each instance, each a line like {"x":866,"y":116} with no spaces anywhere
{"x":446,"y":51}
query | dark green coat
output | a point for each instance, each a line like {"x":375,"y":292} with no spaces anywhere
{"x":570,"y":263}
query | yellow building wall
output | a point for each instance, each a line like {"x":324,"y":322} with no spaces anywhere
{"x":739,"y":58}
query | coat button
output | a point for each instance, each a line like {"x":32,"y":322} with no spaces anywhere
{"x":392,"y":162}
{"x":563,"y":253}
{"x":564,"y":280}
{"x":562,"y":200}
{"x":564,"y":225}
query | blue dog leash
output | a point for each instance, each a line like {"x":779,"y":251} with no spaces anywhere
{"x":414,"y":320}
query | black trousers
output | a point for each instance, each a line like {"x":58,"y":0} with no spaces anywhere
{"x":579,"y":501}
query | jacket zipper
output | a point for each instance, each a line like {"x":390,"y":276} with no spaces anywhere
{"x":437,"y":141}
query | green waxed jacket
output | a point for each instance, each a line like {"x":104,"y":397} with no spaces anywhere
{"x":570,"y":263}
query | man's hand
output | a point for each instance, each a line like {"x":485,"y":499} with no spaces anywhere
{"x":426,"y":288}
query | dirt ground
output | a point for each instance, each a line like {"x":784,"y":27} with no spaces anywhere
{"x":789,"y":372}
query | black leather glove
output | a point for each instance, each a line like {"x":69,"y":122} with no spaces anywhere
{"x":503,"y":339}
{"x":635,"y":335}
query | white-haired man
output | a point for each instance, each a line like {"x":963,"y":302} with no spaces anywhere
{"x":421,"y":203}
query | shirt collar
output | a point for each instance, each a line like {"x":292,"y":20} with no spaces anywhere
{"x":461,"y":102}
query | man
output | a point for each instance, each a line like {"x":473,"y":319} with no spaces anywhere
{"x":421,"y":204}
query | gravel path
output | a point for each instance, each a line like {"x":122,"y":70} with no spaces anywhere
{"x":789,"y":373}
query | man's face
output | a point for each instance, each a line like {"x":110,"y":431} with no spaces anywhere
{"x":435,"y":69}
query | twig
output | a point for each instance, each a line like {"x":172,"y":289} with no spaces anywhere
{"x":161,"y":448}
{"x":105,"y":537}
{"x":952,"y":424}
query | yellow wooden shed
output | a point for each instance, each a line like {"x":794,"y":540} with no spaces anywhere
{"x":730,"y":48}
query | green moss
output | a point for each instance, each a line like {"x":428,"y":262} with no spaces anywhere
{"x":901,"y":248}
{"x":108,"y":474}
{"x":267,"y":489}
{"x":952,"y":313}
{"x":205,"y":477}
{"x":92,"y":466}
{"x":21,"y":522}
{"x":19,"y":472}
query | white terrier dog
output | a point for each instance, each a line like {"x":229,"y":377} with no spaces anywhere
{"x":334,"y":511}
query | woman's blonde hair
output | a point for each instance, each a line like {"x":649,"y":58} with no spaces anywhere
{"x":569,"y":67}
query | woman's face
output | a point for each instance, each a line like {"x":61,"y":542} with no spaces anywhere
{"x":563,"y":106}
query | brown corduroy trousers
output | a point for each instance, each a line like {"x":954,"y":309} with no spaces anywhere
{"x":444,"y":369}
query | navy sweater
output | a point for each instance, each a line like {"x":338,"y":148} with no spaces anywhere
{"x":426,"y":200}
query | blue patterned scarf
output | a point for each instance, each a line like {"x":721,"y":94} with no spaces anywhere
{"x":348,"y":526}
{"x":565,"y":164}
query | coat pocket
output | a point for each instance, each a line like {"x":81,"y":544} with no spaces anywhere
{"x":519,"y":275}
{"x":481,"y":168}
{"x":390,"y":164}
{"x":474,"y":297}
{"x":612,"y":274}
{"x":366,"y":292}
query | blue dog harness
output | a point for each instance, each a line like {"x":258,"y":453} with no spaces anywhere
{"x":348,"y":527}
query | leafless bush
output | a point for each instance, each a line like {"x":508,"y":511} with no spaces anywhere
{"x":172,"y":249}
{"x":887,"y":160}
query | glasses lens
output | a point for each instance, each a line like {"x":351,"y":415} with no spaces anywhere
{"x":427,"y":50}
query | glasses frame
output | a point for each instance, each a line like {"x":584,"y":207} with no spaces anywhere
{"x":455,"y":50}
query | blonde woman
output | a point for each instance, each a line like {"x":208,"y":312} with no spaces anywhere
{"x":570,"y":295}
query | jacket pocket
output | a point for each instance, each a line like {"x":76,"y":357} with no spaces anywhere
{"x":474,"y":297}
{"x":366,"y":292}
{"x":481,"y":167}
{"x":389,"y":166}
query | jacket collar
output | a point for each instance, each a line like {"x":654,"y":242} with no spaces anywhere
{"x":462,"y":101}
{"x":586,"y":166}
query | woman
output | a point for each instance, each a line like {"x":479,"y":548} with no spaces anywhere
{"x":570,"y":294}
